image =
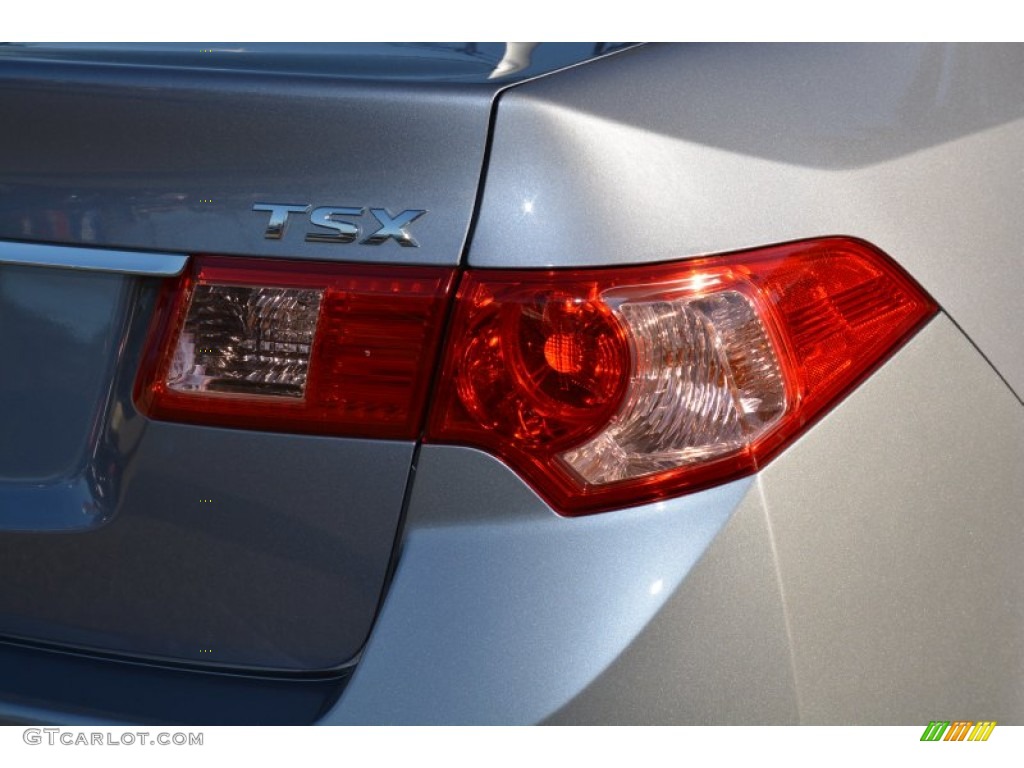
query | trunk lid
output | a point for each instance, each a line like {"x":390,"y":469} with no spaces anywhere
{"x":174,"y":541}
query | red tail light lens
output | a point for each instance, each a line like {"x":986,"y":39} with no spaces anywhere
{"x":558,"y":348}
{"x":606,"y":388}
{"x":322,"y":348}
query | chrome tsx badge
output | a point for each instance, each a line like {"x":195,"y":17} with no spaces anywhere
{"x":331,"y":227}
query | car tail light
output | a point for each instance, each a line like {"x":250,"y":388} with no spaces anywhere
{"x":611,"y":387}
{"x":296,"y":346}
{"x":603,"y":388}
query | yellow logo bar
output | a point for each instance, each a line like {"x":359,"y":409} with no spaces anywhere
{"x":982,"y":730}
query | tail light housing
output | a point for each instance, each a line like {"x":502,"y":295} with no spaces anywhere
{"x":611,"y":387}
{"x":294,"y":346}
{"x":602,"y":388}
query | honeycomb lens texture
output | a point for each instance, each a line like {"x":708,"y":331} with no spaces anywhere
{"x":705,"y":383}
{"x":246,"y":340}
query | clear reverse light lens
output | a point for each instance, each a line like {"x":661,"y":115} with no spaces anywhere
{"x":705,"y":382}
{"x":246,"y":340}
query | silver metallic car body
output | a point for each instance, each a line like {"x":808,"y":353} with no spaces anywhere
{"x":870,"y":573}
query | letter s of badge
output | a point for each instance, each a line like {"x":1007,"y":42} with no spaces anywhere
{"x":344,"y":231}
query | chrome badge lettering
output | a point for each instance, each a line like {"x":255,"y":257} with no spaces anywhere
{"x":341,"y":225}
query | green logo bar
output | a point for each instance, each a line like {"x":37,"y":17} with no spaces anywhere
{"x":935,"y":730}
